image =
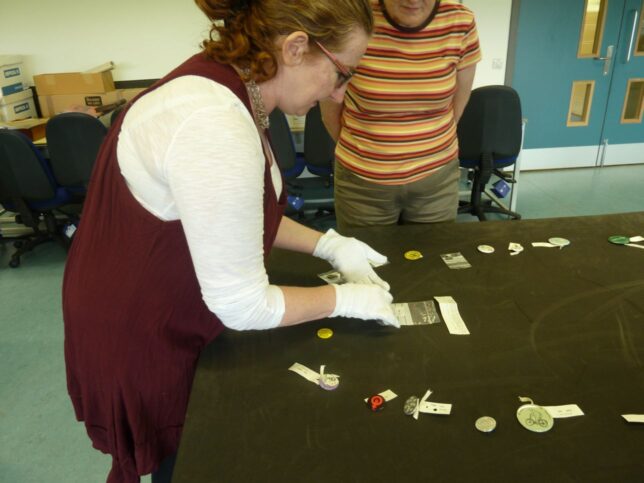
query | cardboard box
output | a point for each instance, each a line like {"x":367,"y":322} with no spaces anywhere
{"x":52,"y":105}
{"x":32,"y":128}
{"x":74,"y":83}
{"x":17,"y":106}
{"x":12,"y":79}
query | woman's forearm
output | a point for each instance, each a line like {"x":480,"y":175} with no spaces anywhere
{"x":331,"y":117}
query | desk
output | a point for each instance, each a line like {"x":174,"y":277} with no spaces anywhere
{"x":559,"y":326}
{"x":32,"y":128}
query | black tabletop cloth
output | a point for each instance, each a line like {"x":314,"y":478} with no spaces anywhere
{"x":561,"y":326}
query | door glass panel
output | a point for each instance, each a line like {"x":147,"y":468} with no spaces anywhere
{"x":634,"y":101}
{"x":592,"y":28}
{"x":580,"y":100}
{"x":639,"y":46}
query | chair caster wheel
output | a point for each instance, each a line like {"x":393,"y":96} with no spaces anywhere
{"x":14,"y":262}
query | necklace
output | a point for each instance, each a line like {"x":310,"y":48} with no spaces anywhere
{"x":259,"y":111}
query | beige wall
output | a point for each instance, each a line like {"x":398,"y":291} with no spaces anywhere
{"x":144,"y":38}
{"x":493,"y":21}
{"x":147,"y":38}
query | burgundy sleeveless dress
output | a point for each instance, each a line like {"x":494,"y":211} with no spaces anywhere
{"x":135,"y":321}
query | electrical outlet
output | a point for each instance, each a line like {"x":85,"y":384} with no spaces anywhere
{"x":497,"y":64}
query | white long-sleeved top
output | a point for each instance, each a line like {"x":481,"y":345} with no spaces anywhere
{"x":190,"y":151}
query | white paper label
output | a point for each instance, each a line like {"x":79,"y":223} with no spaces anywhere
{"x":634,"y":418}
{"x":543,"y":245}
{"x":429,"y":407}
{"x":565,"y":411}
{"x":421,"y":402}
{"x":387,"y":395}
{"x":515,"y":248}
{"x":452,"y":317}
{"x":305,"y":372}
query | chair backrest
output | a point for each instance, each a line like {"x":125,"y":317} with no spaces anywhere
{"x":319,"y":147}
{"x":24,"y":173}
{"x":73,"y":141}
{"x":491,"y":124}
{"x":283,"y":145}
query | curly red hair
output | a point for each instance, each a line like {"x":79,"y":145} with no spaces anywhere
{"x":243,"y":32}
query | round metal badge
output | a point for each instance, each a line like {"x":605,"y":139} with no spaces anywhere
{"x":329,"y":382}
{"x":485,"y":424}
{"x":560,"y":242}
{"x":413,"y":255}
{"x":485,"y":248}
{"x":376,"y":403}
{"x":619,"y":239}
{"x":411,"y":404}
{"x":325,"y":333}
{"x":535,"y":418}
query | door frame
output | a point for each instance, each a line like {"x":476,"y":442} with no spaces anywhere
{"x":512,"y":42}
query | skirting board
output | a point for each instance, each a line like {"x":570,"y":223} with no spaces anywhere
{"x":582,"y":156}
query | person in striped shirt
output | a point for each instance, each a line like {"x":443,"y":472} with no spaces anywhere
{"x":397,"y":151}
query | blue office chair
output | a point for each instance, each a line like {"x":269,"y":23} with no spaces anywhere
{"x":28,"y":189}
{"x":319,"y":155}
{"x":73,"y":141}
{"x":489,"y":139}
{"x":319,"y":147}
{"x":290,"y":163}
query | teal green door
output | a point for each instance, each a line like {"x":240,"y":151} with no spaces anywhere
{"x":574,"y":75}
{"x":623,"y":131}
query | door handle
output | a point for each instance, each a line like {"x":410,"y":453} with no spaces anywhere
{"x":608,"y":59}
{"x":632,"y":39}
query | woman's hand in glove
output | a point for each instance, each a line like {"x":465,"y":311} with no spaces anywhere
{"x":351,"y":257}
{"x":367,"y":302}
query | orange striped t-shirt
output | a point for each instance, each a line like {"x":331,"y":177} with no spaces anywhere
{"x":397,"y":122}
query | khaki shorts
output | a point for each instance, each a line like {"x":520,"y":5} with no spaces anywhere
{"x":359,"y":202}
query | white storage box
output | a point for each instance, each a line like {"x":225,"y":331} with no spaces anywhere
{"x":12,"y":79}
{"x":17,"y":106}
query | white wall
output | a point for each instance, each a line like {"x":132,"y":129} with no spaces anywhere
{"x":147,"y":38}
{"x":493,"y":22}
{"x":144,"y":38}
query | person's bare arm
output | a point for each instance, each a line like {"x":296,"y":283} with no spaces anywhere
{"x":464,"y":81}
{"x":294,"y":236}
{"x":331,"y":117}
{"x":303,"y":304}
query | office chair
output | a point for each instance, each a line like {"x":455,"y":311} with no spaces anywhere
{"x":283,"y":146}
{"x":73,"y":141}
{"x":489,"y":139}
{"x":319,"y":147}
{"x":290,"y":163}
{"x":28,"y":188}
{"x":319,"y":156}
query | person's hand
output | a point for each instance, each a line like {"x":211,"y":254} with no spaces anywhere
{"x":366,"y":302}
{"x":353,"y":258}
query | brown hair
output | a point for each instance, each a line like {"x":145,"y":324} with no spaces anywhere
{"x":243,"y":31}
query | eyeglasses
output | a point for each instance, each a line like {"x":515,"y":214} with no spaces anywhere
{"x":344,"y":73}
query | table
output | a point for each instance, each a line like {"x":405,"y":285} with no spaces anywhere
{"x":560,"y":326}
{"x":32,"y":128}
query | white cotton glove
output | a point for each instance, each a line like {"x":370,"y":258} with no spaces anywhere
{"x":366,"y":302}
{"x":353,"y":258}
